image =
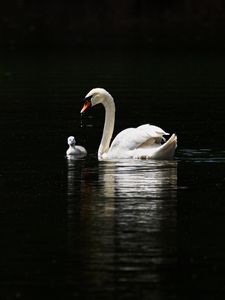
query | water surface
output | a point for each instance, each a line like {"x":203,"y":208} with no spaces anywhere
{"x":122,"y":229}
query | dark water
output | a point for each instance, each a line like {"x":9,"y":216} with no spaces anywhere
{"x":111,"y":230}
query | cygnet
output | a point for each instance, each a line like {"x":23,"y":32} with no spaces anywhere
{"x":75,"y":150}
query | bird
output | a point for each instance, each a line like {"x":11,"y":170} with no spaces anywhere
{"x":75,"y":150}
{"x":143,"y":142}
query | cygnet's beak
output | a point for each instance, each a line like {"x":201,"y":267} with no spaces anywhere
{"x":85,"y":106}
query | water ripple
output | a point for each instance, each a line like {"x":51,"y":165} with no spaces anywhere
{"x":201,"y":155}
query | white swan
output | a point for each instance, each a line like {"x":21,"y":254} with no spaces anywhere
{"x":144,"y":142}
{"x":75,"y":150}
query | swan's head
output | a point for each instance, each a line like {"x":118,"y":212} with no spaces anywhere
{"x":95,"y":96}
{"x":71,"y":141}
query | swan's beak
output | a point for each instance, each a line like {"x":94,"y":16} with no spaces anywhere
{"x":85,"y":106}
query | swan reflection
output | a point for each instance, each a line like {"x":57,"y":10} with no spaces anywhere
{"x":137,"y":178}
{"x":120,"y":215}
{"x":109,"y":185}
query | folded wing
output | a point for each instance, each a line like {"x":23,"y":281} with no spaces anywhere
{"x":133,"y":138}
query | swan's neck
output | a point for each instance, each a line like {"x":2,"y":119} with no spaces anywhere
{"x":109,"y":105}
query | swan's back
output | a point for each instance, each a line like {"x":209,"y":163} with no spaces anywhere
{"x":141,"y":142}
{"x":132,"y":138}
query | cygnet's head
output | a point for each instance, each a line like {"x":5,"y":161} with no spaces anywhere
{"x":95,"y":96}
{"x":71,"y":141}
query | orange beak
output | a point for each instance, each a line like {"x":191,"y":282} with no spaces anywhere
{"x":85,"y":106}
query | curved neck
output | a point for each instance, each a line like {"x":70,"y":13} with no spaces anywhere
{"x":109,"y":106}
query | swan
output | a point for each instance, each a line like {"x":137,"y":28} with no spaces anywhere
{"x":143,"y":142}
{"x":75,"y":150}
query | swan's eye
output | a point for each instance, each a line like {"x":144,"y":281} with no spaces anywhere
{"x":88,"y":98}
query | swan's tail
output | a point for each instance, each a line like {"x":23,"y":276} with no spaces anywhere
{"x":166,"y":151}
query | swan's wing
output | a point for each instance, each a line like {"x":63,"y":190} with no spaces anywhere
{"x":156,"y":134}
{"x":153,"y":130}
{"x":132,"y":138}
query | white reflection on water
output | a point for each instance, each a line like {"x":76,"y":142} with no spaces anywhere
{"x":131,"y":185}
{"x":142,"y":192}
{"x":138,"y":178}
{"x":125,"y":179}
{"x":120,"y":215}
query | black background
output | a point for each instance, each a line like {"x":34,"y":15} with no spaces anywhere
{"x":137,"y":23}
